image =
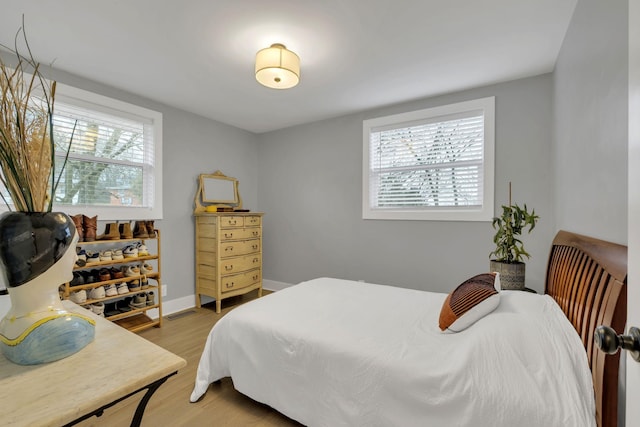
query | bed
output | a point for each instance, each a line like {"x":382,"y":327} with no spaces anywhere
{"x":331,"y":352}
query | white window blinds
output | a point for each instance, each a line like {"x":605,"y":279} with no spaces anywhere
{"x":430,"y":160}
{"x":428,"y":164}
{"x":111,"y":158}
{"x":114,"y":165}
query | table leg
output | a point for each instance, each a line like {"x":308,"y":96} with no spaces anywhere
{"x":151,"y":388}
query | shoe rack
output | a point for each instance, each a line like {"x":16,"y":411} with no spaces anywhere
{"x":117,"y":307}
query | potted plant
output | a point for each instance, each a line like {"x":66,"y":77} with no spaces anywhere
{"x":37,"y":246}
{"x":509,"y":252}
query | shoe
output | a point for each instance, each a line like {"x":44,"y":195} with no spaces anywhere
{"x":77,"y":279}
{"x":110,"y":290}
{"x":142,"y":250}
{"x":140,"y":230}
{"x":144,"y":282}
{"x":151,"y":231}
{"x":89,"y":276}
{"x":98,"y":308}
{"x":123,"y":288}
{"x":123,"y":305}
{"x":92,"y":257}
{"x":104,"y":275}
{"x":81,"y":257}
{"x":77,"y":221}
{"x":97,"y":293}
{"x":115,"y":273}
{"x":134,"y":286}
{"x":110,"y":232}
{"x":125,"y":231}
{"x":131,"y":271}
{"x":151,"y":298}
{"x":110,"y":309}
{"x":146,"y":268}
{"x":138,"y":301}
{"x":117,"y":255}
{"x":79,"y":297}
{"x":130,"y":252}
{"x":106,"y":256}
{"x":90,"y":226}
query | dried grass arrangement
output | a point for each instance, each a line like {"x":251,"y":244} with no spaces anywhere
{"x":27,"y":150}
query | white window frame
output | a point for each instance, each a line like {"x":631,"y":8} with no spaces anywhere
{"x":72,"y":95}
{"x":482,"y":213}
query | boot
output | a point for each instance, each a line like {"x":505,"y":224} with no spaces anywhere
{"x":125,"y":231}
{"x":110,"y":232}
{"x":151,"y":231}
{"x":140,"y":230}
{"x":90,"y":228}
{"x":77,"y":221}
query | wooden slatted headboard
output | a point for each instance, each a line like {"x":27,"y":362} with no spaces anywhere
{"x":587,"y":277}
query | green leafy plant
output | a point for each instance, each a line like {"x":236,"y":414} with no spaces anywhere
{"x":27,"y":150}
{"x":509,"y":225}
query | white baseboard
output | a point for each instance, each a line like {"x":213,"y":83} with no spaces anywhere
{"x":174,"y":306}
{"x":272,"y":285}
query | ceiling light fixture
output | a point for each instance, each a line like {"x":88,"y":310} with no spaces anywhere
{"x":277,"y":67}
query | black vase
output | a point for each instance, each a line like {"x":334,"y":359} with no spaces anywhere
{"x":31,"y":242}
{"x":37,"y":250}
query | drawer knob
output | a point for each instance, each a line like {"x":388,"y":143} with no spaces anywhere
{"x":228,"y":235}
{"x":228,"y":267}
{"x":228,"y":249}
{"x":229,"y":285}
{"x":255,"y":260}
{"x":255,"y":247}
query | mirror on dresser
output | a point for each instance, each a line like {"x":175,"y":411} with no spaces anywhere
{"x":217,"y":191}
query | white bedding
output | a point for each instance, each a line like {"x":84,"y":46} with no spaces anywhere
{"x":332,"y":352}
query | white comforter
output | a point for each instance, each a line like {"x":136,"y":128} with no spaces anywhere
{"x":332,"y":352}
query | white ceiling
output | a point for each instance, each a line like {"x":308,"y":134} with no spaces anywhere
{"x":198,"y":55}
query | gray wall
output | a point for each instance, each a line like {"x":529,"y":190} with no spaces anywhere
{"x":191,"y":145}
{"x":311,"y":190}
{"x":590,"y":102}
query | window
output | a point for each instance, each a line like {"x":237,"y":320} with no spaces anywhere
{"x":433,"y":164}
{"x":114,"y":167}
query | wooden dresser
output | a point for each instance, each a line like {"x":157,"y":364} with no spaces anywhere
{"x":228,"y":254}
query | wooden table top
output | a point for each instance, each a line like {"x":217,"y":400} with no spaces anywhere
{"x":116,"y":363}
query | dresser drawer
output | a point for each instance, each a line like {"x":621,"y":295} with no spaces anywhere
{"x":231,"y":221}
{"x":243,"y":247}
{"x":239,"y":264}
{"x":239,"y":281}
{"x":252,"y":221}
{"x":240,"y":233}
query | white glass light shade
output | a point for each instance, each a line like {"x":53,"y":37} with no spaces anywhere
{"x":277,"y":67}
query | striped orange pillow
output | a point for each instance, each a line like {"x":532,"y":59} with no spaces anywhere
{"x":469,"y":302}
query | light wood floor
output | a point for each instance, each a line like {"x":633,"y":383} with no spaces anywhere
{"x":185,"y":335}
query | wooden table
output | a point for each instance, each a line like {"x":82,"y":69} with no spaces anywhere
{"x":116,"y":365}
